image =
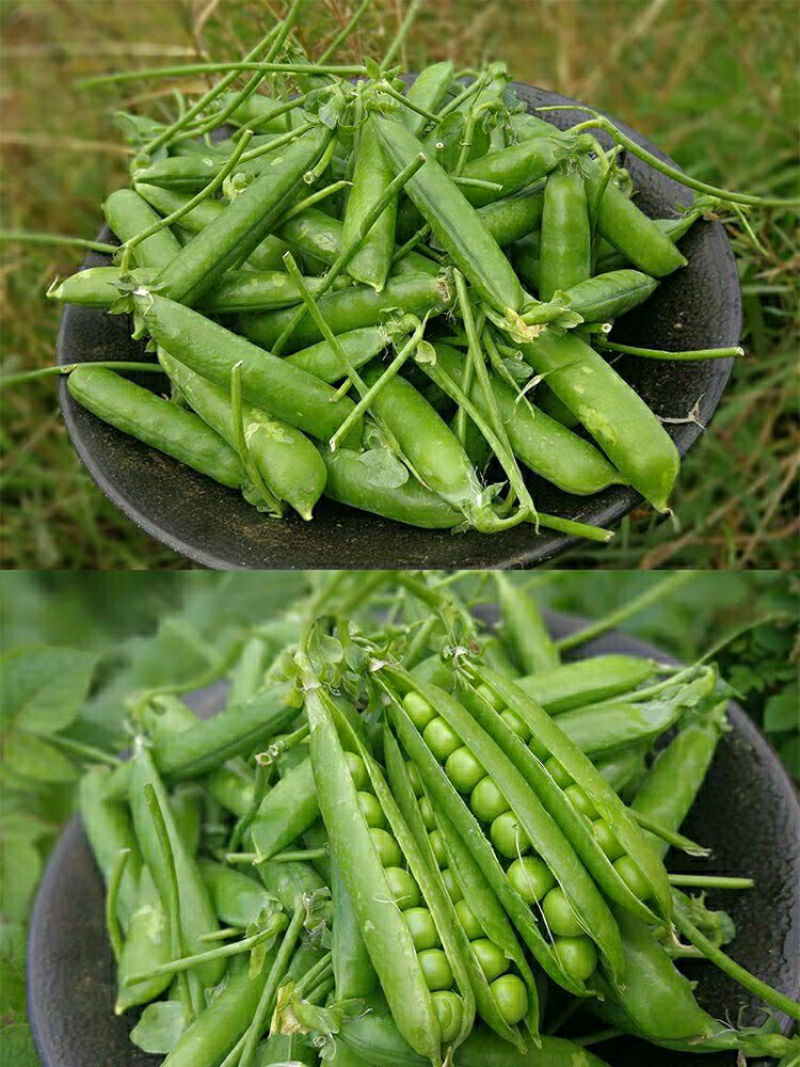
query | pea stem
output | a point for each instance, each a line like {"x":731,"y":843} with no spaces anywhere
{"x":272,"y":146}
{"x":457,"y":101}
{"x":91,"y":752}
{"x":660,"y":353}
{"x":282,"y":745}
{"x":315,"y":198}
{"x":67,"y":368}
{"x":411,"y":243}
{"x":263,"y":775}
{"x":112,"y":899}
{"x":710,"y":881}
{"x":220,"y":935}
{"x":384,"y":87}
{"x":22,"y":237}
{"x":345,"y":71}
{"x":477,"y":183}
{"x":672,"y":837}
{"x":300,"y":855}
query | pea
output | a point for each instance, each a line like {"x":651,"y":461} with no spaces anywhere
{"x":358,"y":771}
{"x":371,"y":809}
{"x":414,"y":778}
{"x":560,"y":915}
{"x":580,"y":802}
{"x":508,"y":837}
{"x":531,"y":877}
{"x":403,"y":888}
{"x":492,"y":959}
{"x":463,"y":770}
{"x":387,"y":848}
{"x":419,"y":710}
{"x":632,"y":877}
{"x":426,"y":811}
{"x":437,"y":844}
{"x":511,"y":998}
{"x":577,"y":956}
{"x":607,"y":839}
{"x":441,"y":738}
{"x":422,"y":928}
{"x":558,"y":773}
{"x":487,"y":802}
{"x":452,"y":886}
{"x":436,"y":969}
{"x":469,"y":923}
{"x":490,"y":697}
{"x":520,"y":728}
{"x":450,"y":1013}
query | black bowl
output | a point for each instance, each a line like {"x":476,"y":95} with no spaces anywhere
{"x":746,"y":798}
{"x":698,"y":307}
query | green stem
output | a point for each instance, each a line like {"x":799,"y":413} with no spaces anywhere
{"x":91,"y":753}
{"x":411,"y":243}
{"x":477,"y":183}
{"x":347,"y":71}
{"x":457,"y":101}
{"x":279,"y":142}
{"x":112,"y":899}
{"x":220,"y":935}
{"x":300,"y":855}
{"x":710,"y":881}
{"x":282,"y":745}
{"x":661,"y":353}
{"x":672,"y":837}
{"x":67,"y":368}
{"x":310,"y":201}
{"x":263,"y":775}
{"x":23,"y":237}
{"x":384,"y":87}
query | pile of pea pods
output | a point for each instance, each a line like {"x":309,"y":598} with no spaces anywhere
{"x":395,"y":293}
{"x":411,"y":838}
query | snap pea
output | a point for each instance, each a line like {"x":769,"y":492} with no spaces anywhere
{"x":371,"y":177}
{"x":232,"y":785}
{"x":191,"y":172}
{"x":268,"y":382}
{"x":497,"y":655}
{"x":428,"y":91}
{"x":290,"y":882}
{"x":574,"y":685}
{"x":610,"y":295}
{"x":613,"y":413}
{"x":513,"y":218}
{"x":107,"y":824}
{"x":352,"y":967}
{"x":359,"y":347}
{"x":146,"y":946}
{"x":238,"y":900}
{"x":625,"y":768}
{"x":257,"y":111}
{"x":609,"y":258}
{"x":187,"y":811}
{"x":286,"y":812}
{"x":524,"y":628}
{"x":128,"y":214}
{"x":566,"y":239}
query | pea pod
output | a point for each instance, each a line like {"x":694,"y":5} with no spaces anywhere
{"x":232,"y":785}
{"x":286,"y":812}
{"x":268,"y":382}
{"x":625,"y":768}
{"x":193,"y":171}
{"x":146,"y":946}
{"x":128,"y":214}
{"x":571,"y":685}
{"x":290,"y":882}
{"x":428,"y":91}
{"x":359,"y":346}
{"x":256,"y":111}
{"x":608,"y":258}
{"x":524,"y":628}
{"x":619,"y":420}
{"x":371,"y":176}
{"x":107,"y":824}
{"x":610,"y":295}
{"x":352,"y":967}
{"x":238,"y":900}
{"x":566,"y":249}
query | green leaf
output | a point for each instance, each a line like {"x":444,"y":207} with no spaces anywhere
{"x":12,"y":971}
{"x":34,"y":758}
{"x":20,"y":869}
{"x":159,"y":1028}
{"x":16,"y":1047}
{"x":42,"y":689}
{"x":782,"y":711}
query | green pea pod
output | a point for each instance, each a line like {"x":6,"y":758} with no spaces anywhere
{"x":428,"y":91}
{"x":187,"y":811}
{"x":281,"y":1049}
{"x":286,"y":812}
{"x":256,"y":111}
{"x":566,"y":255}
{"x":352,"y":968}
{"x":613,"y":413}
{"x":371,"y":177}
{"x":353,"y":309}
{"x":245,"y":222}
{"x":268,"y":382}
{"x":191,"y":173}
{"x":107,"y":824}
{"x":383,"y":928}
{"x":157,"y":422}
{"x":197,"y":913}
{"x":232,"y":785}
{"x":290,"y":882}
{"x":573,"y":685}
{"x":520,"y":165}
{"x":524,"y":628}
{"x":526,"y":126}
{"x":238,"y":900}
{"x":541,"y":443}
{"x":625,"y":768}
{"x":550,"y":740}
{"x":146,"y":946}
{"x":287,"y":461}
{"x":353,"y":481}
{"x":497,"y":655}
{"x":609,"y":295}
{"x":454,"y":222}
{"x":359,"y":346}
{"x":514,"y":217}
{"x":128,"y":214}
{"x":526,"y":259}
{"x":609,"y":258}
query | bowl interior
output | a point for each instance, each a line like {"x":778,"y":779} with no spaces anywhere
{"x":746,"y":798}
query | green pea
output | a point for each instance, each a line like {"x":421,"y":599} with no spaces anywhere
{"x":607,"y":839}
{"x":578,"y":956}
{"x":452,"y":886}
{"x":508,"y":837}
{"x":463,"y":770}
{"x":469,"y":923}
{"x":358,"y":771}
{"x":436,"y":968}
{"x":450,"y":1013}
{"x":387,"y":848}
{"x":422,"y":928}
{"x":531,"y":877}
{"x":414,"y":778}
{"x":490,"y":697}
{"x":487,"y":802}
{"x":419,"y":710}
{"x":426,"y":811}
{"x":632,"y":877}
{"x":511,"y":998}
{"x":371,"y":809}
{"x":520,"y":728}
{"x":437,"y":844}
{"x":580,"y":802}
{"x":558,"y":773}
{"x":403,"y":888}
{"x":493,"y":961}
{"x":560,"y":915}
{"x":441,"y":738}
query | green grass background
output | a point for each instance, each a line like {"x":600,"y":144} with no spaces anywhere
{"x":712,"y":82}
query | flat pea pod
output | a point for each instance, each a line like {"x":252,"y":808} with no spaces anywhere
{"x":359,"y":346}
{"x":610,"y":295}
{"x":290,"y":882}
{"x":352,"y":967}
{"x":128,"y":214}
{"x":107,"y":824}
{"x":524,"y":628}
{"x":383,"y":928}
{"x":352,"y":309}
{"x":244,"y":224}
{"x":157,"y":422}
{"x":626,"y":226}
{"x":566,"y":251}
{"x":573,"y":685}
{"x":541,"y":443}
{"x":285,"y":458}
{"x":268,"y":382}
{"x":146,"y":946}
{"x":371,"y":177}
{"x":352,"y":481}
{"x":454,"y":222}
{"x":428,"y":91}
{"x":197,"y":912}
{"x":520,"y":165}
{"x":238,"y":900}
{"x":286,"y":812}
{"x":613,"y":413}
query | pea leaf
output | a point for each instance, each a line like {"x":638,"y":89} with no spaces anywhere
{"x":32,"y":757}
{"x":20,"y":868}
{"x":159,"y":1027}
{"x":42,"y":689}
{"x":384,"y":468}
{"x":16,"y":1047}
{"x":781,"y":712}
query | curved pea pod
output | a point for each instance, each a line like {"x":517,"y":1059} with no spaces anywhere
{"x":96,"y":287}
{"x":371,"y":177}
{"x":541,"y":443}
{"x":128,"y":214}
{"x":613,"y":413}
{"x":540,"y":828}
{"x":549,"y":740}
{"x":352,"y":481}
{"x":268,"y":382}
{"x":352,"y":967}
{"x":246,"y":221}
{"x":245,"y":291}
{"x":287,"y":461}
{"x":428,"y":91}
{"x":454,"y":221}
{"x":107,"y":824}
{"x":197,"y":913}
{"x":353,"y":309}
{"x":609,"y":258}
{"x":158,"y":422}
{"x":622,"y":223}
{"x":146,"y":946}
{"x":233,"y":786}
{"x":520,"y":165}
{"x":238,"y":900}
{"x":359,"y":346}
{"x":566,"y":248}
{"x":286,"y":812}
{"x":573,"y":685}
{"x":610,"y":295}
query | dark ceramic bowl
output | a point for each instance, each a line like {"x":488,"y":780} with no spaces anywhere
{"x":698,"y":307}
{"x":747,"y":812}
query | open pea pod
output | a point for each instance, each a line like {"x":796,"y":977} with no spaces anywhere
{"x":550,"y":740}
{"x":487,"y":1006}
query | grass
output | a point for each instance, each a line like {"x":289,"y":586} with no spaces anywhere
{"x":714,"y":84}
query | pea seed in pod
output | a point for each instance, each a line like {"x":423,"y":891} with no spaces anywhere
{"x":386,"y":847}
{"x":511,"y":997}
{"x":578,"y":956}
{"x":419,"y":710}
{"x":449,"y":1011}
{"x":515,"y":723}
{"x":426,"y":813}
{"x":491,"y":958}
{"x":490,"y":696}
{"x":358,"y":772}
{"x":463,"y":770}
{"x":452,"y":886}
{"x":579,"y":800}
{"x":436,"y":969}
{"x":508,"y":837}
{"x":607,"y":839}
{"x":558,"y":773}
{"x":630,"y":875}
{"x":469,"y":923}
{"x":531,"y":877}
{"x":441,"y":738}
{"x":372,"y":810}
{"x":560,"y":915}
{"x":439,"y":851}
{"x":422,"y":928}
{"x":404,"y":889}
{"x":487,"y":802}
{"x":416,"y":782}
